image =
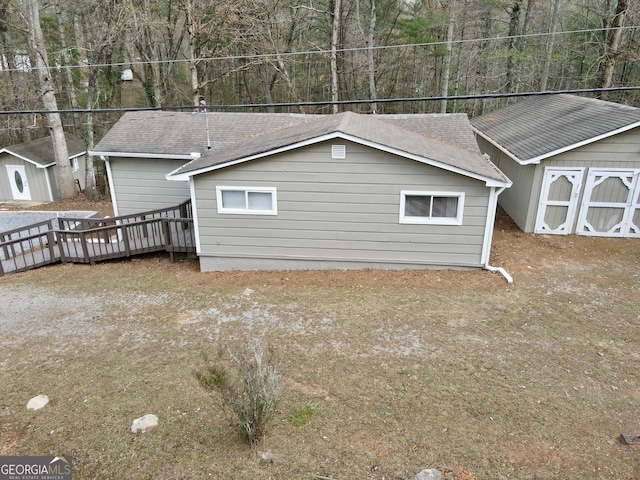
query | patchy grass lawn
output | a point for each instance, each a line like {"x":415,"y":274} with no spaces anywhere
{"x":385,"y":373}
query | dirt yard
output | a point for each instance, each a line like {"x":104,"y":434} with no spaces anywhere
{"x":384,"y":373}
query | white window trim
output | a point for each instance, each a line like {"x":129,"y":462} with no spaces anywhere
{"x":75,"y":165}
{"x":246,"y":211}
{"x":431,"y":220}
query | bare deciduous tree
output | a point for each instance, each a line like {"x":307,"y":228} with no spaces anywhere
{"x":612,"y":46}
{"x":66,"y":185}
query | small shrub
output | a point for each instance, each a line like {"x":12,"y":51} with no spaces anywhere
{"x":248,"y":383}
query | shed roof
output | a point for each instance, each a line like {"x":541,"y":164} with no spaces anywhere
{"x":543,"y":126}
{"x":40,"y":152}
{"x":397,"y":134}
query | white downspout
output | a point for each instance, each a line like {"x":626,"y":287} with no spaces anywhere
{"x":488,"y":235}
{"x":194,"y":213}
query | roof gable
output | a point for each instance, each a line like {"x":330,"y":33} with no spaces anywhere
{"x":374,"y":131}
{"x":543,"y":126}
{"x":40,"y":152}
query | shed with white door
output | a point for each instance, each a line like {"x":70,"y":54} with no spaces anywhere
{"x":574,"y":163}
{"x":28,"y":170}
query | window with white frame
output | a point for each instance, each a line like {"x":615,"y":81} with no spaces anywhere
{"x":75,"y":166}
{"x":436,"y":208}
{"x":247,"y":200}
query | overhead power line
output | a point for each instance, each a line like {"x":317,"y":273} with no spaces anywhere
{"x":263,"y":56}
{"x":320,"y":103}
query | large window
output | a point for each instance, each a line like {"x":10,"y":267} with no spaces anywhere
{"x":438,"y":208}
{"x":247,"y":200}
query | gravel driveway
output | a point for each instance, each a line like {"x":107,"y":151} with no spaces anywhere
{"x":11,"y":220}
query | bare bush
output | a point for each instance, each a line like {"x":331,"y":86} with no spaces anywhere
{"x":248,"y":383}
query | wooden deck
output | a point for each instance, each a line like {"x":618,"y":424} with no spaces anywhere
{"x":91,"y":240}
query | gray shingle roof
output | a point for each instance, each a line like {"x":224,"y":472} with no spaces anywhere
{"x":541,"y":125}
{"x":452,"y":128}
{"x":371,"y":129}
{"x":180,"y":133}
{"x":41,"y":151}
{"x":447,"y":139}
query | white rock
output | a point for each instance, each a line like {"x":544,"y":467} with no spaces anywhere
{"x":144,"y":424}
{"x":36,"y":403}
{"x":267,"y":458}
{"x":429,"y":474}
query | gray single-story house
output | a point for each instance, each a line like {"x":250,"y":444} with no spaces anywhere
{"x":28,"y":170}
{"x":287,"y":191}
{"x":574,"y":163}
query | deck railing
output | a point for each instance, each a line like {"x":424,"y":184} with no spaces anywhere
{"x":89,"y":240}
{"x":28,"y":247}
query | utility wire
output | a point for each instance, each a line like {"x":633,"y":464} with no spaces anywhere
{"x":320,"y":103}
{"x":315,"y":52}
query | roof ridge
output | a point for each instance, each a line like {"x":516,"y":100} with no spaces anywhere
{"x":431,"y":137}
{"x":600,"y":101}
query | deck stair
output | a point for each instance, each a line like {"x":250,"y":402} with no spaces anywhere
{"x":91,"y":240}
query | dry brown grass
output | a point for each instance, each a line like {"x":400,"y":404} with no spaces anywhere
{"x":384,"y":373}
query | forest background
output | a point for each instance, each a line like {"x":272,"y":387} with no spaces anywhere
{"x":93,"y":59}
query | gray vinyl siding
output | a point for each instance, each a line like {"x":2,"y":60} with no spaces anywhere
{"x":5,"y":186}
{"x":619,"y":151}
{"x":517,"y":199}
{"x":53,"y":180}
{"x":337,"y":213}
{"x":141,"y":184}
{"x":36,"y":179}
{"x":521,"y":201}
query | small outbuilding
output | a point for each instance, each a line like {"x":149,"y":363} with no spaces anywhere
{"x":574,"y":162}
{"x":28,"y":170}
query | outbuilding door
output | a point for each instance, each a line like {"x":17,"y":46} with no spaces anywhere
{"x":18,"y":181}
{"x":558,"y":200}
{"x":611,"y":204}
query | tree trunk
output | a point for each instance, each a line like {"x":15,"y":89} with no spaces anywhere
{"x":66,"y":184}
{"x":447,"y":60}
{"x":544,"y":78}
{"x":373,"y":91}
{"x":282,"y":69}
{"x":90,"y":174}
{"x":369,"y":39}
{"x":335,"y":35}
{"x":611,"y":48}
{"x":71,"y":89}
{"x":514,"y":27}
{"x":193,"y":66}
{"x":266,"y":90}
{"x":482,"y":71}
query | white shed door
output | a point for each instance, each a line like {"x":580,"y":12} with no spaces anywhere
{"x":18,"y":181}
{"x":611,"y":204}
{"x":558,"y":200}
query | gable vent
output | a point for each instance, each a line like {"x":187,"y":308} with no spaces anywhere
{"x":338,"y":151}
